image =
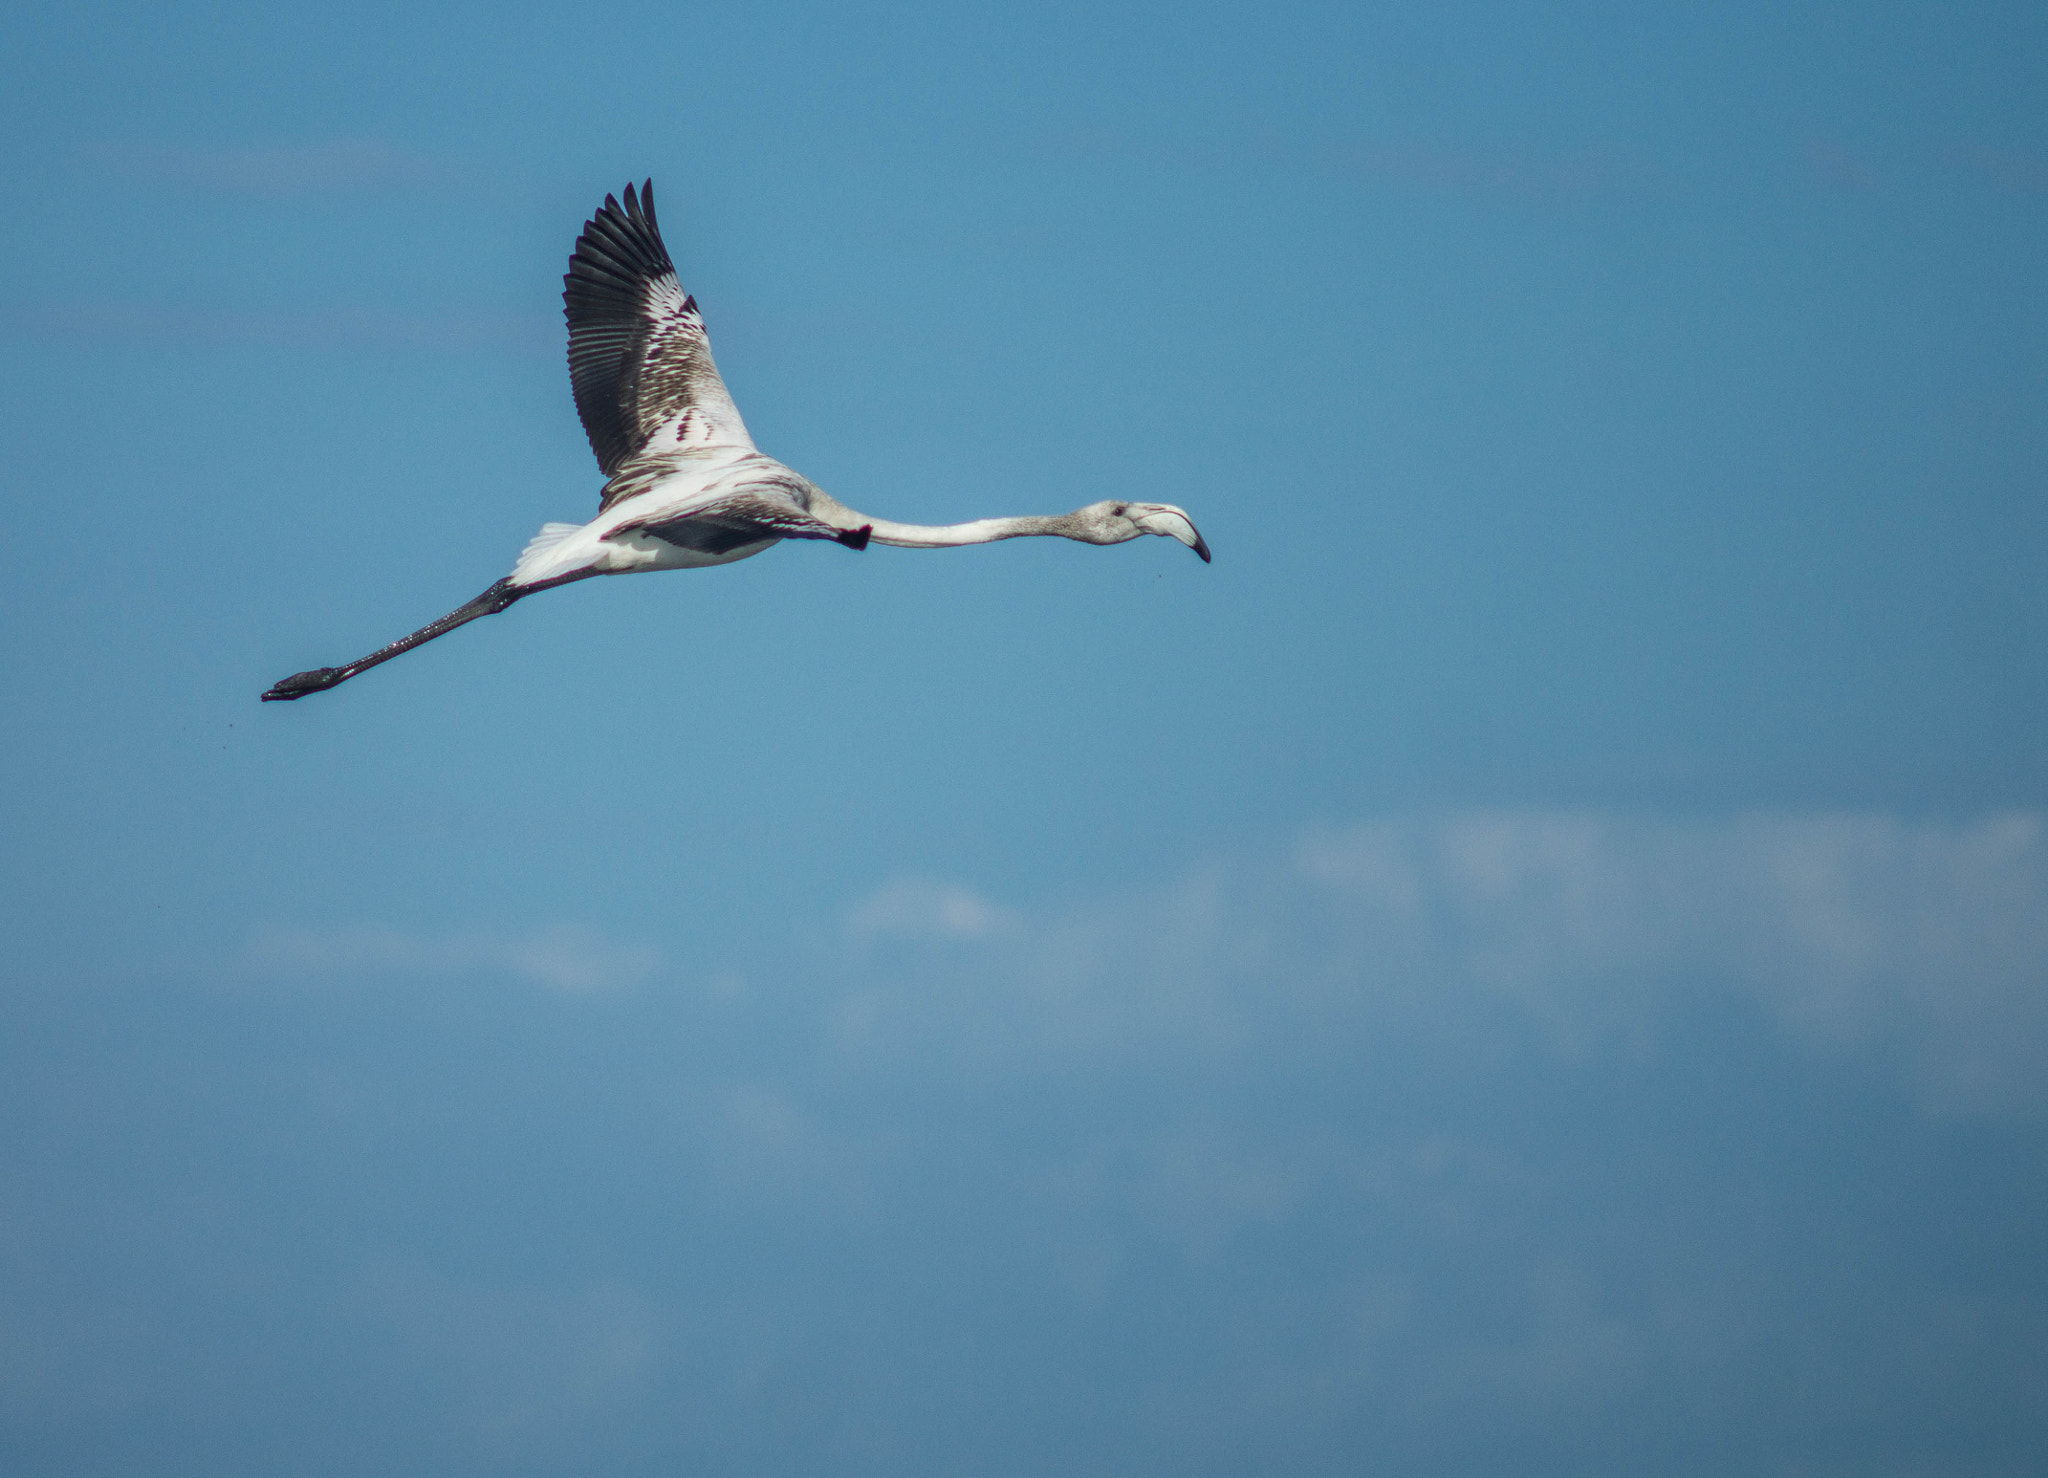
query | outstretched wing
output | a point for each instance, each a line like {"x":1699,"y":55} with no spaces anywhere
{"x":639,"y":361}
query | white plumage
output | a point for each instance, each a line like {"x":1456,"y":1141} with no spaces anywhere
{"x":685,"y":485}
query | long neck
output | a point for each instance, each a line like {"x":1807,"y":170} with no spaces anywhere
{"x":939,"y":536}
{"x":948,"y":535}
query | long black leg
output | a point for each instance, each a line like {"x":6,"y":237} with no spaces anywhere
{"x":492,"y":601}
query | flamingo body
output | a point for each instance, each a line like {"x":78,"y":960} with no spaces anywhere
{"x":685,"y":486}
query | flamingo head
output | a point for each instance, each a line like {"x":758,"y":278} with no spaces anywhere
{"x":1115,"y":521}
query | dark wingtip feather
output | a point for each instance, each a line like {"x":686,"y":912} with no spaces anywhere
{"x":616,"y":260}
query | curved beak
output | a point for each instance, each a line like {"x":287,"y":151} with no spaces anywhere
{"x":1170,"y":522}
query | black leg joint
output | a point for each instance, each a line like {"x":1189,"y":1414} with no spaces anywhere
{"x":498,"y":597}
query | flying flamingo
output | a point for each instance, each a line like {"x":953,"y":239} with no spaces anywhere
{"x":685,"y":485}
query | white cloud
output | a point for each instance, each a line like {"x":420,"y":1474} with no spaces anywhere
{"x":1923,"y":942}
{"x":1927,"y":939}
{"x":564,"y":959}
{"x":918,"y":908}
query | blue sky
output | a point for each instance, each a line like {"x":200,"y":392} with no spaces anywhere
{"x":1533,"y":961}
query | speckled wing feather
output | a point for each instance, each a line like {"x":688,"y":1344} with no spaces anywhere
{"x":639,"y":361}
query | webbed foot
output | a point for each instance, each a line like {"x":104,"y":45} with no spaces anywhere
{"x":299,"y":684}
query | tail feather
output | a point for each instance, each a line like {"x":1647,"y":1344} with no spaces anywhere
{"x":533,"y":560}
